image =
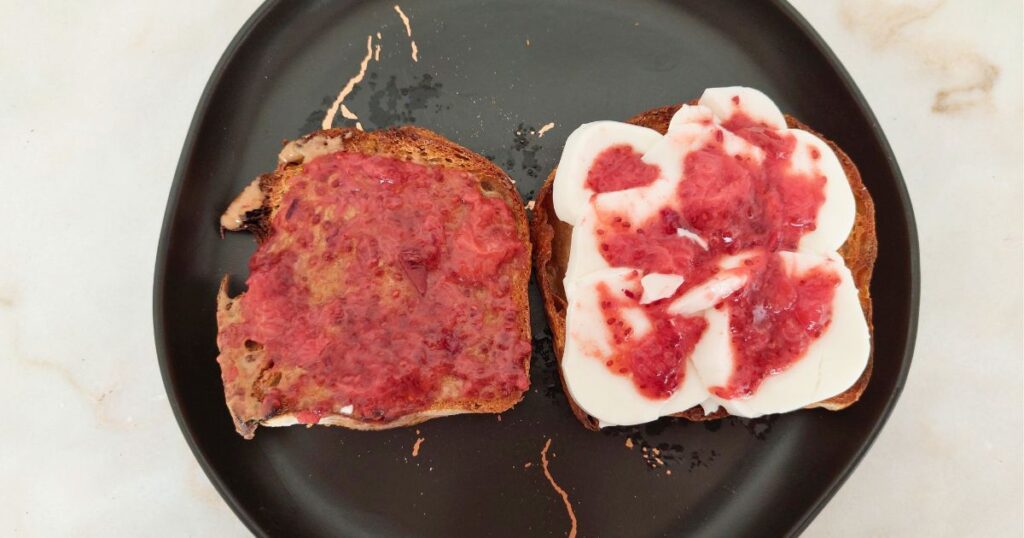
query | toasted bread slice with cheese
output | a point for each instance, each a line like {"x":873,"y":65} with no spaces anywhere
{"x":551,"y":239}
{"x":389,"y":286}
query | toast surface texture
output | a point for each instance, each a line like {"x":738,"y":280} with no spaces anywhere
{"x":266,"y":385}
{"x":551,"y":239}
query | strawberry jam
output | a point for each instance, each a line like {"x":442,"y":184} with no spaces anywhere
{"x":385,"y":287}
{"x":619,"y":168}
{"x":736,"y":204}
{"x":655,"y":360}
{"x":773,"y":320}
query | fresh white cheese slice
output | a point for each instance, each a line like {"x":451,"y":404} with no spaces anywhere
{"x":832,"y":362}
{"x":608,"y":396}
{"x":569,"y":191}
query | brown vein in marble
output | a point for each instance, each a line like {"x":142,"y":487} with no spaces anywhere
{"x":884,"y":21}
{"x":975,"y":90}
{"x":199,"y":487}
{"x":7,"y":297}
{"x":94,"y":399}
{"x":968,"y":78}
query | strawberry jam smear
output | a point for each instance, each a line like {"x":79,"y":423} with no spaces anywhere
{"x":653,"y":359}
{"x":384,"y":288}
{"x":619,"y":168}
{"x":736,"y":204}
{"x":773,"y":320}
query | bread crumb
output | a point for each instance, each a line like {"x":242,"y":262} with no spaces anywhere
{"x":668,"y":471}
{"x":547,"y":127}
{"x":416,"y":446}
{"x":650,"y":454}
{"x":530,"y":205}
{"x":565,"y":496}
{"x":499,"y":418}
{"x":629,"y":443}
{"x":527,"y":42}
{"x":527,"y":465}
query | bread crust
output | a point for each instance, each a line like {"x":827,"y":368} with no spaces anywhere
{"x":551,"y":255}
{"x":408,"y":143}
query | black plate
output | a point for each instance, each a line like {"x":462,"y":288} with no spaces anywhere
{"x":479,"y":83}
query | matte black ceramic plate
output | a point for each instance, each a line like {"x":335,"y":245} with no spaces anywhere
{"x":489,"y":76}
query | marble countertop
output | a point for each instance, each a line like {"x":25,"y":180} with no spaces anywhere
{"x":95,"y":101}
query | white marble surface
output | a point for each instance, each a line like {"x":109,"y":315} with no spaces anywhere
{"x":95,"y":100}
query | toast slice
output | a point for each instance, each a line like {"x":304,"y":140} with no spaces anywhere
{"x":389,"y":285}
{"x":551,"y":239}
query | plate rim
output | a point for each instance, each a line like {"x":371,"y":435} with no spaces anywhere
{"x":189,"y":148}
{"x":910,"y":222}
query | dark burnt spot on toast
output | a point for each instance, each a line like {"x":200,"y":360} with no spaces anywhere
{"x":257,"y":223}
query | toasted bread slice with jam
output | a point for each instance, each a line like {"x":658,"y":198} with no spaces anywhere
{"x":552,"y":237}
{"x":389,"y":286}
